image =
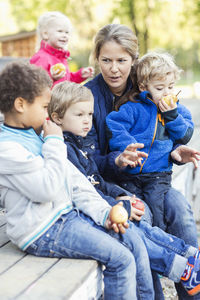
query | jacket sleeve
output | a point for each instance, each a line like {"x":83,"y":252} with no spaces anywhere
{"x":46,"y":173}
{"x":179,"y":125}
{"x":105,"y":163}
{"x":77,"y":76}
{"x":119,"y":124}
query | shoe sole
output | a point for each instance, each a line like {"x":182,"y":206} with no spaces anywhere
{"x":194,"y":291}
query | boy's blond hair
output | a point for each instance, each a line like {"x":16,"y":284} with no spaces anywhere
{"x":66,"y":93}
{"x":155,"y":65}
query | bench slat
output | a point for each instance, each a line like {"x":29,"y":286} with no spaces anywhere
{"x":69,"y":279}
{"x":22,"y":274}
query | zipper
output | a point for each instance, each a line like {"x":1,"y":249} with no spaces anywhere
{"x":156,"y":125}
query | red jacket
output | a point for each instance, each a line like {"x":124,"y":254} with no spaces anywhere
{"x":48,"y":56}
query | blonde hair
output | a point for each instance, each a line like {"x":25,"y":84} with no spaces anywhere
{"x":66,"y":93}
{"x":118,"y":33}
{"x":45,"y":21}
{"x":154,"y":65}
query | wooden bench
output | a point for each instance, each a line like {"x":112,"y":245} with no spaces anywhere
{"x":24,"y":276}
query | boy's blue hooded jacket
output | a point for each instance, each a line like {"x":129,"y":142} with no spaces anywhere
{"x":142,"y":122}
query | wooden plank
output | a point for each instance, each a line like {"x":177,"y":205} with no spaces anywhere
{"x":69,"y":279}
{"x":9,"y":256}
{"x":3,"y":236}
{"x":23,"y":274}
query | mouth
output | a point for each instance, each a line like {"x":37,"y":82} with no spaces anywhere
{"x":114,"y":78}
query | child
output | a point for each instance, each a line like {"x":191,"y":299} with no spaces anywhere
{"x":53,"y":34}
{"x":146,"y":118}
{"x":71,"y":107}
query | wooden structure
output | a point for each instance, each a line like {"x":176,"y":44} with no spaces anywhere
{"x":19,"y":45}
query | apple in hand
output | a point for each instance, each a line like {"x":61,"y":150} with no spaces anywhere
{"x":168,"y":98}
{"x":137,"y":203}
{"x":118,"y":214}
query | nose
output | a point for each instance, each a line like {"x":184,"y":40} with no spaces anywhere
{"x":86,"y":120}
{"x":114,"y":67}
{"x":166,"y":92}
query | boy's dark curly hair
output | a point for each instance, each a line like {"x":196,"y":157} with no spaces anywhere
{"x":21,"y":79}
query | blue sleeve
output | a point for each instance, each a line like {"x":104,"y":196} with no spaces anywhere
{"x":179,"y":125}
{"x":72,"y":156}
{"x":105,"y":163}
{"x":119,"y":124}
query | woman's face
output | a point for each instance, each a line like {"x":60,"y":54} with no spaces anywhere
{"x":115,"y":66}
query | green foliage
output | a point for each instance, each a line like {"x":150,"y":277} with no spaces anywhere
{"x":172,"y":25}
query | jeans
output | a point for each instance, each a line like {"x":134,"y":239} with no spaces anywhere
{"x":152,"y":188}
{"x":179,"y":222}
{"x":75,"y":235}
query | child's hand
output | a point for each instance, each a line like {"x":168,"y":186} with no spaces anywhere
{"x":117,"y":226}
{"x":167,"y":103}
{"x":137,"y":208}
{"x":87,"y":72}
{"x":58,"y":71}
{"x":130,"y":156}
{"x":50,"y":128}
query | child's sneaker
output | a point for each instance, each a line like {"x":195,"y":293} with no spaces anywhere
{"x":191,"y":276}
{"x":197,"y":255}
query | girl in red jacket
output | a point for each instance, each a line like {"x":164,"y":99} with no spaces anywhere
{"x":53,"y":35}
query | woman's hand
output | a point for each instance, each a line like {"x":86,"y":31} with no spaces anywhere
{"x":131,"y":156}
{"x":185,"y":154}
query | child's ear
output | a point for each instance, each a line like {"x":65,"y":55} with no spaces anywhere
{"x":56,"y":118}
{"x":45,"y":35}
{"x":19,"y":104}
{"x":142,"y":87}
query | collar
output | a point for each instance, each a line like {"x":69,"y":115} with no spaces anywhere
{"x":58,"y":53}
{"x":79,"y":141}
{"x":145,"y":96}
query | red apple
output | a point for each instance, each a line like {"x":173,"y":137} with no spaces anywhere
{"x":137,"y":203}
{"x":118,"y":214}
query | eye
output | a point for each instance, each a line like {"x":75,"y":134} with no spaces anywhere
{"x":121,"y":60}
{"x":171,"y":87}
{"x":106,"y":60}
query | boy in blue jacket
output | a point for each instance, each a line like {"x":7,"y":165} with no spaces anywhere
{"x":71,"y":107}
{"x":145,"y":117}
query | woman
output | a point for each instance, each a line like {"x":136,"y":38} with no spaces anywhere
{"x":115,"y":52}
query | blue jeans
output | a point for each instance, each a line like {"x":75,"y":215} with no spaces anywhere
{"x":75,"y":235}
{"x":179,"y":221}
{"x":167,"y":253}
